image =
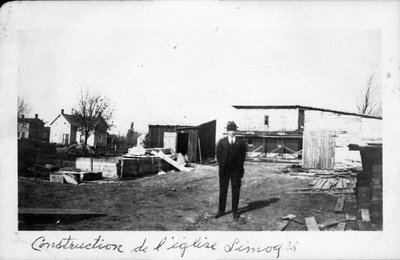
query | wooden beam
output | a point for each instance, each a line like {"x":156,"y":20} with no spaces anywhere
{"x":339,"y":185}
{"x":311,"y":224}
{"x":320,"y":184}
{"x":257,"y":149}
{"x":170,"y":161}
{"x":339,"y":205}
{"x":70,"y":179}
{"x":327,"y":185}
{"x":201,"y":160}
{"x":344,"y":184}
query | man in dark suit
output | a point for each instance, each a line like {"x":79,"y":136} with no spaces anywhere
{"x":231,"y":154}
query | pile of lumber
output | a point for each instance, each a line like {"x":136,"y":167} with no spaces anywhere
{"x":322,"y":173}
{"x":332,"y":183}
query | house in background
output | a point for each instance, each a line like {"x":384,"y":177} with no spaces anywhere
{"x":96,"y":139}
{"x":321,"y":136}
{"x":64,"y":130}
{"x":30,"y":128}
{"x":196,"y":140}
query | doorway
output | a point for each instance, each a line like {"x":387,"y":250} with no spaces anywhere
{"x":183,"y":143}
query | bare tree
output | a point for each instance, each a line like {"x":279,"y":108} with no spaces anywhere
{"x":369,"y":104}
{"x":93,"y":114}
{"x":23,"y":107}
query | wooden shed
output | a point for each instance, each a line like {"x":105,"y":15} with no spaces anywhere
{"x":195,"y":141}
{"x":327,"y":135}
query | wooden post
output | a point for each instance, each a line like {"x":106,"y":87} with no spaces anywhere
{"x":201,"y":160}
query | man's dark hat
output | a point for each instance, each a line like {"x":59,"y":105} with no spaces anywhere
{"x":231,"y":126}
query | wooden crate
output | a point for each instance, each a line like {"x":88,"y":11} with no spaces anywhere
{"x":142,"y":166}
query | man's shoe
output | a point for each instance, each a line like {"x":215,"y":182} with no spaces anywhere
{"x":219,"y":214}
{"x":236,"y":216}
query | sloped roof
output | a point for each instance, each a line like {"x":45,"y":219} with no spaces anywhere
{"x":305,"y":108}
{"x":184,"y":121}
{"x":70,"y":119}
{"x":30,"y":120}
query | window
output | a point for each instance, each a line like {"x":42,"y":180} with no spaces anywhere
{"x":266,"y":120}
{"x":65,"y":139}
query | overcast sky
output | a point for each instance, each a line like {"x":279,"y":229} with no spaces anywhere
{"x":158,"y":60}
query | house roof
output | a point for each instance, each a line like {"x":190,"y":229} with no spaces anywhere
{"x":182,"y":122}
{"x":30,"y":120}
{"x":305,"y":108}
{"x":70,"y":119}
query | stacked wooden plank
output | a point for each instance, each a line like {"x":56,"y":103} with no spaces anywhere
{"x":332,"y":184}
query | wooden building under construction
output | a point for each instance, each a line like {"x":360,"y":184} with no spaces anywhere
{"x":317,"y":136}
{"x":197,"y":141}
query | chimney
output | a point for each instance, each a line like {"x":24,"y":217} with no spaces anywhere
{"x":36,"y":116}
{"x":72,"y":111}
{"x":62,"y":111}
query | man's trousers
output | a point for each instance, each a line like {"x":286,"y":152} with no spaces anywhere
{"x":232,"y":175}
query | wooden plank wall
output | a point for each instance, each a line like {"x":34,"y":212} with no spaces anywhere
{"x":319,"y":149}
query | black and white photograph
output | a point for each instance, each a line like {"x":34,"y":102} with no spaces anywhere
{"x":199,"y":129}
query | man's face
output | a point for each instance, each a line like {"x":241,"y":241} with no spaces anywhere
{"x":231,"y":133}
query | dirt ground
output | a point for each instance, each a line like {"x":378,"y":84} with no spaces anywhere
{"x":180,"y":201}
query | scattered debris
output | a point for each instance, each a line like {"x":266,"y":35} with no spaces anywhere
{"x":365,"y":226}
{"x":283,"y":224}
{"x":339,"y":205}
{"x":190,"y":219}
{"x":341,"y":226}
{"x":170,"y":161}
{"x":161,"y":173}
{"x":180,"y":159}
{"x":365,"y":216}
{"x":311,"y":224}
{"x":329,"y":224}
{"x":292,"y":218}
{"x":350,"y":217}
{"x":136,"y":151}
{"x":72,"y":179}
{"x":335,"y":185}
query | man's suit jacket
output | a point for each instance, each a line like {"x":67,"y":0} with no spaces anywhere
{"x":238,"y":152}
